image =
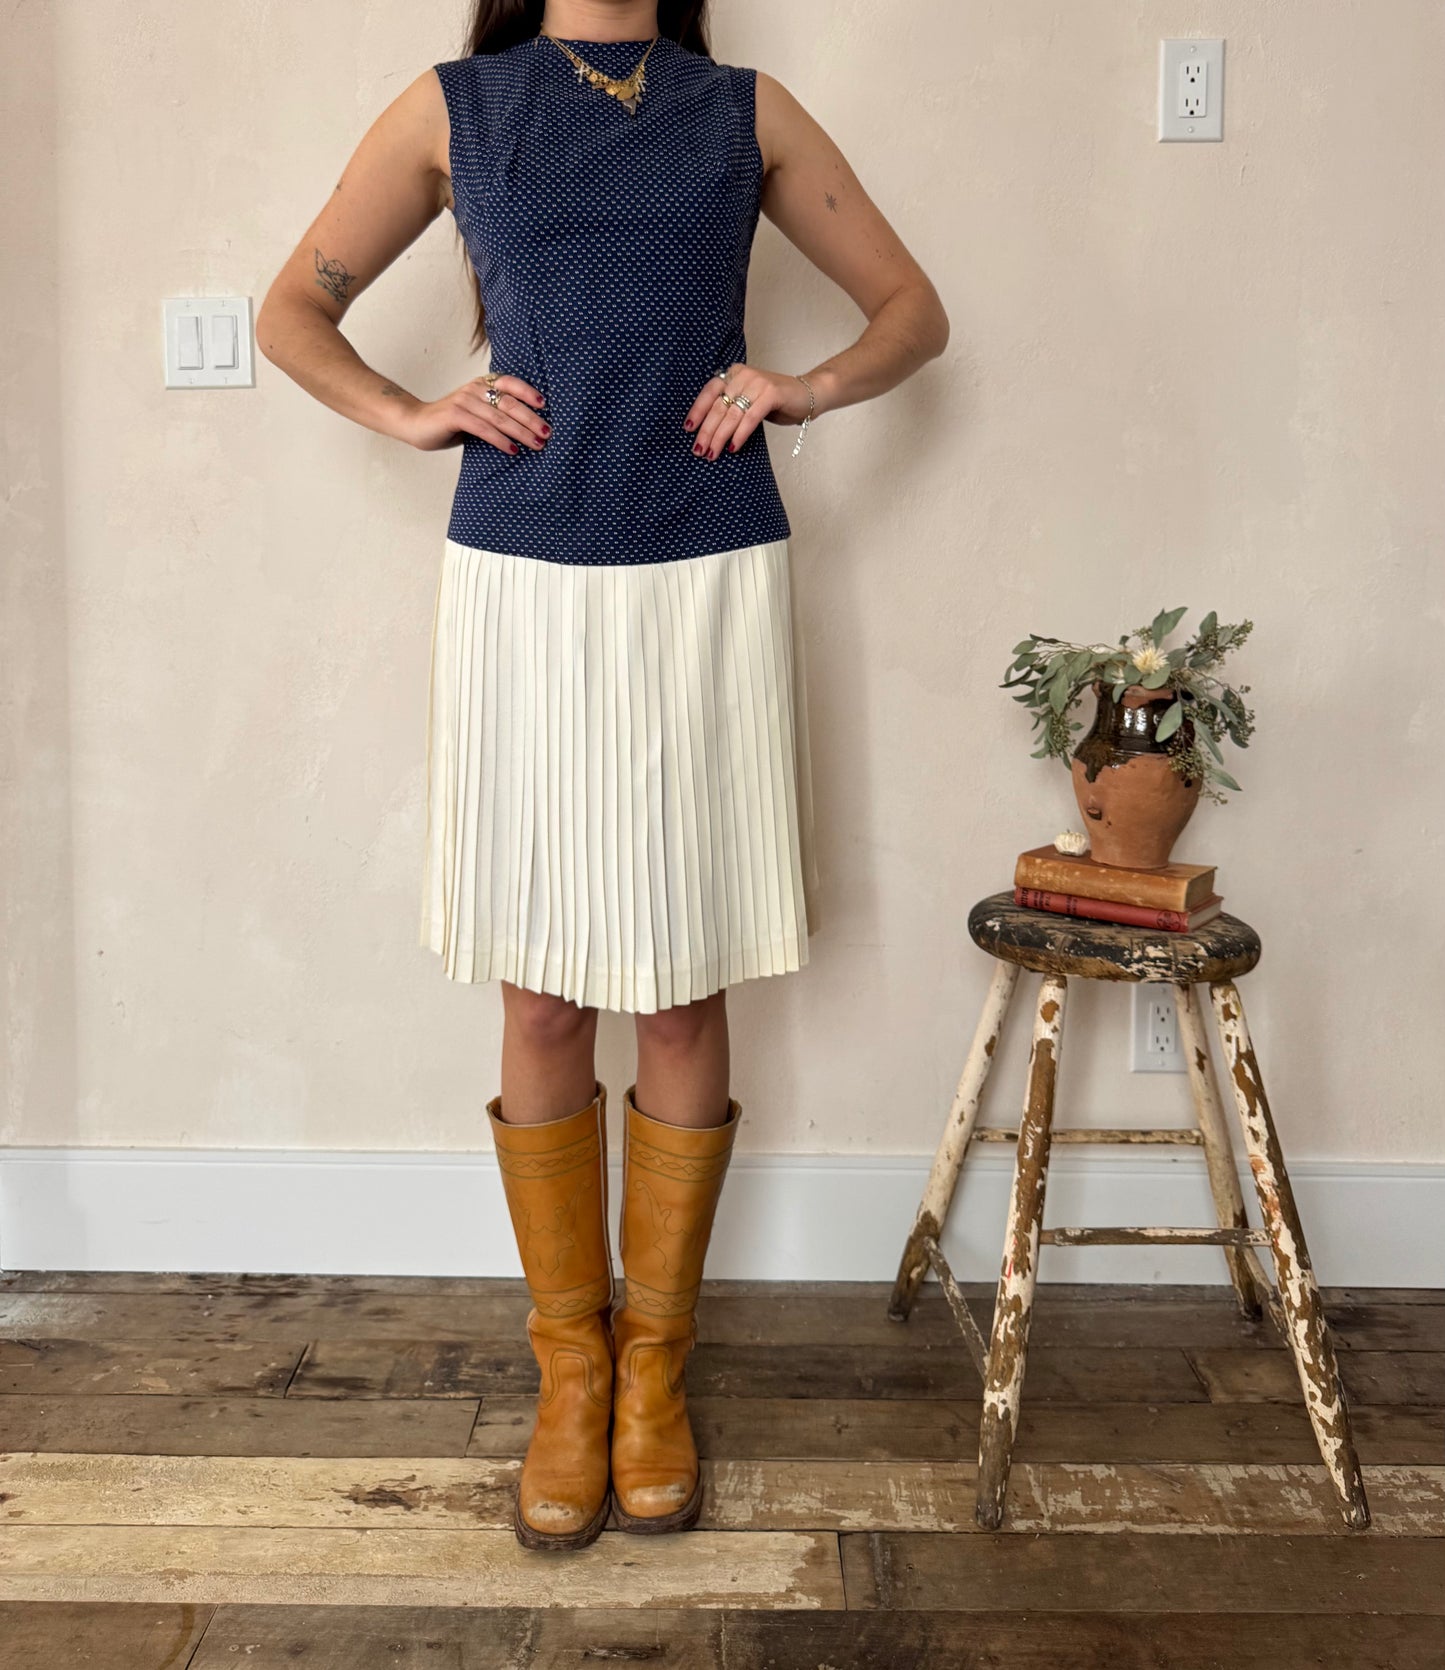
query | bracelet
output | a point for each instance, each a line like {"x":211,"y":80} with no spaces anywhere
{"x":812,"y":403}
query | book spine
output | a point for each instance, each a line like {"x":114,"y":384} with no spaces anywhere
{"x":1125,"y":887}
{"x":1102,"y":910}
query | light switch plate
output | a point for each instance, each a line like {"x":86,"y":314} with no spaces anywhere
{"x":221,"y":326}
{"x":1191,"y":89}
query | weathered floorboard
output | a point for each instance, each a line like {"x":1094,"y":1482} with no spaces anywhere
{"x":207,"y":1565}
{"x":70,"y":1635}
{"x":740,"y":1429}
{"x":117,"y":1636}
{"x":751,"y":1429}
{"x":1234,"y":1376}
{"x":1065,"y":1498}
{"x":453,"y":1368}
{"x":291,"y":1492}
{"x":861,"y":1294}
{"x":407,"y":1638}
{"x":1129,"y":1572}
{"x":1074,"y":1641}
{"x":386,"y":1368}
{"x":361,"y":1368}
{"x":791,"y":1318}
{"x":236,"y":1426}
{"x":199,"y":1368}
{"x":352,"y":1492}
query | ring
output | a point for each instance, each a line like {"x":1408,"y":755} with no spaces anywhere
{"x":742,"y":401}
{"x":490,"y":378}
{"x":727,"y":399}
{"x":493,"y":398}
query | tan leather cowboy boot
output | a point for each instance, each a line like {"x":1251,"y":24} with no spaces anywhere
{"x":555,"y":1177}
{"x":672,"y":1176}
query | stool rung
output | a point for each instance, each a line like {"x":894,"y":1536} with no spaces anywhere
{"x":972,"y":1337}
{"x":1073,"y":1133}
{"x":1165,"y":1236}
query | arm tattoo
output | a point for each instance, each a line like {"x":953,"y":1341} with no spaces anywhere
{"x":333,"y":277}
{"x":831,"y":201}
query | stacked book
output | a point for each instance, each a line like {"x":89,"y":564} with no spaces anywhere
{"x":1178,"y":897}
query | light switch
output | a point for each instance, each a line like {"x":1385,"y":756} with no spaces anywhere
{"x":223,"y":341}
{"x":189,"y":356}
{"x":208,"y":342}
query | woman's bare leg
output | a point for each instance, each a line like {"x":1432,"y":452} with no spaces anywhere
{"x":682,"y":1062}
{"x":548,"y":1055}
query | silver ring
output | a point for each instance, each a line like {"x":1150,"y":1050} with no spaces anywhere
{"x":742,"y":401}
{"x":723,"y":373}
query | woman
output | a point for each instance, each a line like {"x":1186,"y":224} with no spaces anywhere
{"x":618,"y":782}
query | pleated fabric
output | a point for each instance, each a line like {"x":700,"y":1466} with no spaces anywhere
{"x":619,"y":786}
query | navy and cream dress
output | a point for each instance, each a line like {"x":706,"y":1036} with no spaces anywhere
{"x":619,"y":805}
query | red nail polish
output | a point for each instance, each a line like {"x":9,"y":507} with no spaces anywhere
{"x":546,"y":429}
{"x":514,"y":447}
{"x":732,"y":446}
{"x":697,"y":446}
{"x":687,"y":424}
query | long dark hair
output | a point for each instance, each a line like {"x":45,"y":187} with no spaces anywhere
{"x":497,"y":24}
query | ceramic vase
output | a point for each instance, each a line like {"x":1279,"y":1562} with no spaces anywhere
{"x":1133,"y":802}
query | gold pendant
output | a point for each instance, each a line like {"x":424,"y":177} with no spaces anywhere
{"x":628,"y":93}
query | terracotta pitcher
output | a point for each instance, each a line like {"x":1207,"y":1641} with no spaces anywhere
{"x":1133,"y":801}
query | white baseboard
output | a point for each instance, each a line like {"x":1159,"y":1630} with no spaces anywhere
{"x":782,"y":1217}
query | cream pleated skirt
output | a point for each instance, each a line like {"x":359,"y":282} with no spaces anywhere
{"x":619,"y":790}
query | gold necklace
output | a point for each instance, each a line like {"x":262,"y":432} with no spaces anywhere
{"x":627,"y":90}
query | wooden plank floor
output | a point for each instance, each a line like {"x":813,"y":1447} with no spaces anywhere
{"x":198,"y":1472}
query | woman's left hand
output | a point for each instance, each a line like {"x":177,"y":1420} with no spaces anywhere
{"x":773,"y":394}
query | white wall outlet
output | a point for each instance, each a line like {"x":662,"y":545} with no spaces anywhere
{"x":1191,"y":89}
{"x":1155,"y":1030}
{"x":208,"y":342}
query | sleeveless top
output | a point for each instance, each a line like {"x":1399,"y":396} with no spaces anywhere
{"x":612,"y":252}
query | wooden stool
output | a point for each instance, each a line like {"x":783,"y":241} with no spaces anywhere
{"x":1057,"y":947}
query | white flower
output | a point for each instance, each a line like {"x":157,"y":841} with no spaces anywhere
{"x":1149,"y":659}
{"x":1073,"y":841}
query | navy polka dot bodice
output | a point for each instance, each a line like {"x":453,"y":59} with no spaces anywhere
{"x":612,"y":249}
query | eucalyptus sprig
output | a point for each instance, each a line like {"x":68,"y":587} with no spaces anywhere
{"x":1051,"y":674}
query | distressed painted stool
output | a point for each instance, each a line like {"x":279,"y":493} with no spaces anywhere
{"x":1058,"y":948}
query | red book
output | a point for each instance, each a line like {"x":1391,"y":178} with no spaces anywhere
{"x":1111,"y":910}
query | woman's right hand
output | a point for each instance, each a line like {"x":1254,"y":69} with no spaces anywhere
{"x":514,"y":422}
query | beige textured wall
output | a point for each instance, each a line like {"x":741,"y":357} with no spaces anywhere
{"x":1206,"y":375}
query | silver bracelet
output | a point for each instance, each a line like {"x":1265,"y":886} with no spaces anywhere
{"x":812,"y":404}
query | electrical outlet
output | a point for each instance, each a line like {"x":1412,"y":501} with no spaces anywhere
{"x":1155,"y":1031}
{"x":1191,"y":89}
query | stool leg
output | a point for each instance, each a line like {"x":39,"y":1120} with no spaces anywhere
{"x":1013,"y":1309}
{"x":957,"y":1135}
{"x":1244,"y":1270}
{"x":1299,"y":1296}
